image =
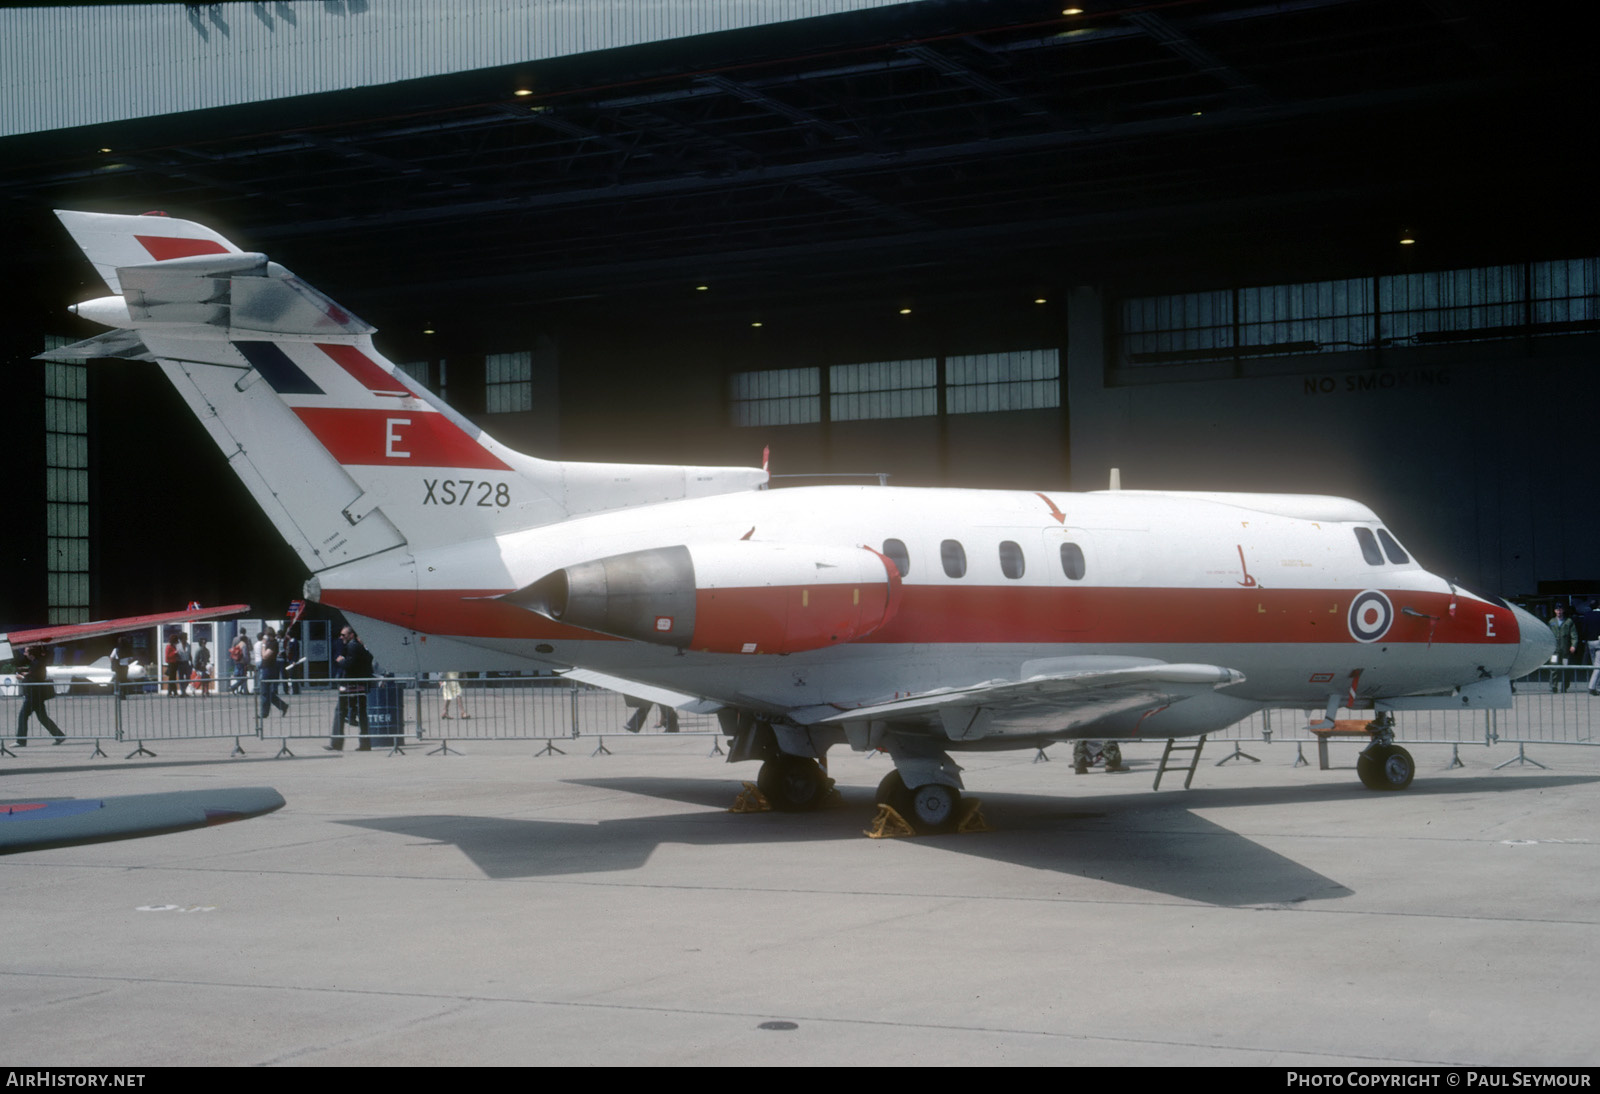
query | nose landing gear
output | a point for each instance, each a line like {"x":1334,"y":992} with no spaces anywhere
{"x":1384,"y":765}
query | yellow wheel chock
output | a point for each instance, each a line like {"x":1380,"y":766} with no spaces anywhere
{"x":889,"y":824}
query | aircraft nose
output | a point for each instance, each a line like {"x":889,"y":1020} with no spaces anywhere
{"x":1536,"y":645}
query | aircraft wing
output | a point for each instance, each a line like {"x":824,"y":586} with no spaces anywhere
{"x":1047,"y":701}
{"x":65,"y":632}
{"x":693,"y":704}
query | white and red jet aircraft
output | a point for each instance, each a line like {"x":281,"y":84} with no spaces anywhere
{"x":918,"y":621}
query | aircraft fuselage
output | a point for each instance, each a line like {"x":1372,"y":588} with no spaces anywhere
{"x":1286,"y":593}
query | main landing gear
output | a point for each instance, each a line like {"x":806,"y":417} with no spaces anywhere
{"x":793,"y":784}
{"x":928,"y":809}
{"x":1384,"y":765}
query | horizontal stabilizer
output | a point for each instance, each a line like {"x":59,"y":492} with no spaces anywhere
{"x":125,"y":345}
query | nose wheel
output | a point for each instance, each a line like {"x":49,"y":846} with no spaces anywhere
{"x":1385,"y":767}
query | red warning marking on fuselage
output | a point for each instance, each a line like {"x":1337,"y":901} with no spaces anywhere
{"x":1061,"y":518}
{"x":1321,"y":678}
{"x":1248,"y":582}
{"x":396,"y":438}
{"x":162,"y":248}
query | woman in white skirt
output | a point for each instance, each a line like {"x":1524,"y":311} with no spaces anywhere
{"x":450,"y":692}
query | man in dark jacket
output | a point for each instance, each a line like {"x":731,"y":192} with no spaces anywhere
{"x":1565,"y":631}
{"x":33,"y":674}
{"x":354,"y":666}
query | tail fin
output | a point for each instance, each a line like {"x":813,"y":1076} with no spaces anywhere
{"x":347,"y":455}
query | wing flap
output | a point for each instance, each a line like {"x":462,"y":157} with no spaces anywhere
{"x":1056,"y":700}
{"x":692,"y":704}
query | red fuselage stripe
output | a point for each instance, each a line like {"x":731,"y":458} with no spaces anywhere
{"x":1025,"y":614}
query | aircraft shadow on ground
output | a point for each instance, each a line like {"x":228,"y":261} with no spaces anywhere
{"x":1142,"y":840}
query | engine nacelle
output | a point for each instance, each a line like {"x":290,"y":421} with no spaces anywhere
{"x":740,"y":597}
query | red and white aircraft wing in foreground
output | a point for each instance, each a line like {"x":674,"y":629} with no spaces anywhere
{"x":918,"y":621}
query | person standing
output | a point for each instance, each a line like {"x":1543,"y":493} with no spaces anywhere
{"x":185,"y":663}
{"x":292,"y":669}
{"x":353,"y":666}
{"x":1565,"y":631}
{"x":34,"y":678}
{"x":450,"y":692}
{"x":239,"y":654}
{"x":202,"y":668}
{"x":169,"y":664}
{"x":119,"y":664}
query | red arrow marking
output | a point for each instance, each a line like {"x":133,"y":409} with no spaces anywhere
{"x":1061,"y":518}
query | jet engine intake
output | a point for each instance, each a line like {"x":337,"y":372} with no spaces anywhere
{"x":739,"y":597}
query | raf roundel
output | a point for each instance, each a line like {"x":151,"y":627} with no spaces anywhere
{"x":1370,"y":616}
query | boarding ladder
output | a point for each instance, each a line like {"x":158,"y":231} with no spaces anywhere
{"x":1166,"y":756}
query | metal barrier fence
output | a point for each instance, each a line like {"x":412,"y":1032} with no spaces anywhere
{"x":490,"y":708}
{"x":553,"y":709}
{"x":1551,"y":706}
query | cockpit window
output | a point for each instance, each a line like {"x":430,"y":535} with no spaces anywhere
{"x":1392,"y":548}
{"x":1369,"y":547}
{"x":1012,"y":564}
{"x":954,"y":557}
{"x":896,"y":551}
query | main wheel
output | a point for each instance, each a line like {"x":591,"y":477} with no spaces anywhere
{"x":928,"y":809}
{"x":793,"y":784}
{"x":1385,"y":767}
{"x":933,"y":808}
{"x":892,"y":792}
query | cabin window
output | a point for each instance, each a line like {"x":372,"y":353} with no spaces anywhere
{"x":1012,"y":564}
{"x":1072,"y":561}
{"x":1369,"y":547}
{"x":954,"y":557}
{"x":896,"y":551}
{"x":1391,"y":547}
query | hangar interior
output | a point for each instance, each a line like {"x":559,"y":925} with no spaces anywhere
{"x":1318,"y":246}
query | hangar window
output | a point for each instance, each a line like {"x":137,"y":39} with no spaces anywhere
{"x":1369,"y":547}
{"x":1012,"y":564}
{"x":1185,"y":327}
{"x":66,"y":456}
{"x":1391,"y":547}
{"x":784,"y":396}
{"x":430,"y":374}
{"x":1020,"y":380}
{"x":1315,"y":317}
{"x":954,"y":558}
{"x":1452,"y":305}
{"x":1072,"y":561}
{"x":1479,"y":304}
{"x":1566,"y":294}
{"x":884,"y":389}
{"x":896,"y":551}
{"x":508,"y":382}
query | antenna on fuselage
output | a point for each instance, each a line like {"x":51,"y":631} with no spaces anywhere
{"x":1116,"y":479}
